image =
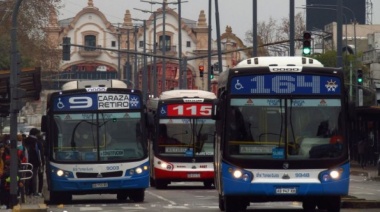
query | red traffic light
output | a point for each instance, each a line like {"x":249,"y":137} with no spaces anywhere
{"x":306,"y":35}
{"x":201,"y":68}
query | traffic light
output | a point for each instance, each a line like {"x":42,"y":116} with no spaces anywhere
{"x":212,"y":72}
{"x":306,"y":43}
{"x":66,"y":48}
{"x":360,"y":77}
{"x":201,"y":70}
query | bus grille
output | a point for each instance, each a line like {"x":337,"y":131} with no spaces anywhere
{"x":99,"y":175}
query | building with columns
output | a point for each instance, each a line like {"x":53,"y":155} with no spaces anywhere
{"x":96,"y":55}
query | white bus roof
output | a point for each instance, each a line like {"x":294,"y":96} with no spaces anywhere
{"x":93,"y":83}
{"x":187,"y":94}
{"x":279,"y":61}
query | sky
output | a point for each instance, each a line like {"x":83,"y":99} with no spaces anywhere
{"x":234,"y":13}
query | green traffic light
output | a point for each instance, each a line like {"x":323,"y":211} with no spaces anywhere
{"x":360,"y":80}
{"x":211,"y":76}
{"x":306,"y":51}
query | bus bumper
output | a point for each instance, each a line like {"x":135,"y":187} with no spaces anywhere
{"x":100,"y":184}
{"x":184,"y":175}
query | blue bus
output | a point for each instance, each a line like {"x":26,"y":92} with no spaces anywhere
{"x":96,"y":141}
{"x":281,"y":134}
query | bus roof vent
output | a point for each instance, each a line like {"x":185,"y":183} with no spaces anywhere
{"x":93,"y":84}
{"x":279,"y":61}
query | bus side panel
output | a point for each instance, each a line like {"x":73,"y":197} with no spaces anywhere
{"x":70,"y":182}
{"x":233,"y":186}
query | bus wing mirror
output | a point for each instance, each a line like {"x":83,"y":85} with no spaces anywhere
{"x":215,"y":109}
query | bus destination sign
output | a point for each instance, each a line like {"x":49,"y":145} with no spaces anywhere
{"x":286,"y":84}
{"x":192,"y":110}
{"x":96,"y":101}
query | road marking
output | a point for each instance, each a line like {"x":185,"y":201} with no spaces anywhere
{"x":161,"y":197}
{"x":176,"y":207}
{"x":88,"y":208}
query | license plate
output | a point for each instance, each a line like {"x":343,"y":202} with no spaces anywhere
{"x":286,"y":190}
{"x":100,"y":185}
{"x":193,"y":175}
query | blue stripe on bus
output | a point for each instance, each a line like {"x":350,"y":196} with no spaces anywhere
{"x":233,"y":186}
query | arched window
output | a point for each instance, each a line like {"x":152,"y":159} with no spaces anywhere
{"x":90,"y":40}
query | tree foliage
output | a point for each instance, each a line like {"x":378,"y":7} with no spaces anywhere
{"x":32,"y":17}
{"x":272,"y":31}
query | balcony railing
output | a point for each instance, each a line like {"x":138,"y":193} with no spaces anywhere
{"x":170,"y":50}
{"x":90,"y":52}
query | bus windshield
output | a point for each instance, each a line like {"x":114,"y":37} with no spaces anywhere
{"x":98,"y":137}
{"x":284,"y":128}
{"x":186,"y":137}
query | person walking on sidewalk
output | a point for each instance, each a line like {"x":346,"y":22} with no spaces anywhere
{"x":363,"y":151}
{"x":34,"y":158}
{"x":41,"y":144}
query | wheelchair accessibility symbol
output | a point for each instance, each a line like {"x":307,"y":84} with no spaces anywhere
{"x":238,"y":85}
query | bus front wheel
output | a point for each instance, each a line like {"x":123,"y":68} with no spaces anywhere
{"x":122,"y":196}
{"x":221,"y":203}
{"x":137,"y":195}
{"x":60,"y":197}
{"x":161,"y":184}
{"x":309,"y":205}
{"x":234,"y":204}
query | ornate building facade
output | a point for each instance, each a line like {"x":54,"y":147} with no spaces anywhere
{"x":98,"y":43}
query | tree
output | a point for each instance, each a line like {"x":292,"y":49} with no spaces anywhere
{"x":271,"y":31}
{"x":33,"y":16}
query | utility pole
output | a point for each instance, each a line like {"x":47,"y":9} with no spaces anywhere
{"x":118,"y":50}
{"x":254,"y":27}
{"x":154,"y":72}
{"x":339,"y":62}
{"x":163,"y":39}
{"x":209,"y":45}
{"x":15,"y":104}
{"x":135,"y":75}
{"x":218,"y":36}
{"x":291,"y":28}
{"x":144,"y":76}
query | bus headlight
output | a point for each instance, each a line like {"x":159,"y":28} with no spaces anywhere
{"x":334,"y":174}
{"x":237,"y":173}
{"x":165,"y":165}
{"x":139,"y":170}
{"x":241,"y":174}
{"x":61,"y":173}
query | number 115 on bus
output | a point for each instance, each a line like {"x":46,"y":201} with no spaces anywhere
{"x":186,"y":110}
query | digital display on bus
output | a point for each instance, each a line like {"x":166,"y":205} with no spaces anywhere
{"x":96,"y":101}
{"x":286,"y":84}
{"x":189,"y":110}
